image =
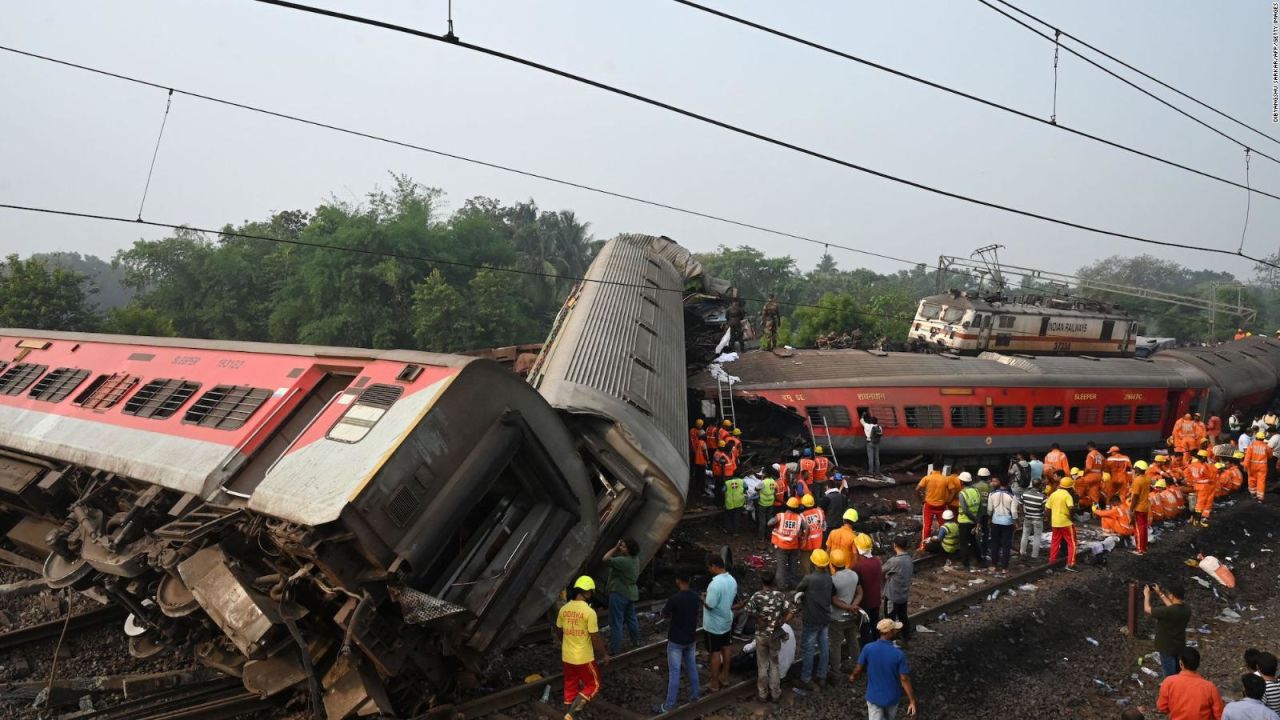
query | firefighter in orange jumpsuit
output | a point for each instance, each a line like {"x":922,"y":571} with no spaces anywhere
{"x":1118,"y":466}
{"x":697,"y":455}
{"x":1256,"y":459}
{"x":1231,"y":478}
{"x":807,"y":466}
{"x":1116,"y":519}
{"x":735,"y":444}
{"x":1200,"y":475}
{"x":1240,"y":334}
{"x":1184,"y":437}
{"x":1214,"y":428}
{"x":1089,"y":486}
{"x":1057,"y":459}
{"x":1202,"y":431}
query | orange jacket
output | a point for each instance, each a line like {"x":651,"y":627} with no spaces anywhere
{"x":699,"y":453}
{"x":1257,"y":456}
{"x":1058,"y":459}
{"x":1199,"y":473}
{"x":1115,"y":520}
{"x":695,"y":439}
{"x":806,"y":469}
{"x":1230,"y":480}
{"x":1094,"y":462}
{"x":1214,"y":427}
{"x":789,"y":532}
{"x":815,"y":523}
{"x":821,"y":466}
{"x":1200,"y":430}
{"x":939,"y":489}
{"x":1119,"y":466}
{"x":723,"y":464}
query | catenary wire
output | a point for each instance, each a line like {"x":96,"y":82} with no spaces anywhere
{"x":1124,"y":80}
{"x":428,"y":260}
{"x":724,"y":125}
{"x":1052,"y":122}
{"x":168,"y":103}
{"x":462,"y":158}
{"x":1148,"y":76}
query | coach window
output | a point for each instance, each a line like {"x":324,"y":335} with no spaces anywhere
{"x":1116,"y":414}
{"x":968,"y":416}
{"x":923,"y":417}
{"x":105,"y":391}
{"x":1147,"y":415}
{"x":57,"y":385}
{"x":1009,"y":416}
{"x":833,"y":415}
{"x":1002,"y":340}
{"x":887,"y":415}
{"x":1047,"y":416}
{"x":17,"y":378}
{"x":1006,"y":321}
{"x":1084,"y":415}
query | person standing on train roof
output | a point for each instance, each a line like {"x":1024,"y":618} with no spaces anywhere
{"x":1239,"y":334}
{"x":1060,"y":504}
{"x":788,"y":536}
{"x":1090,"y":485}
{"x":578,"y":630}
{"x":1257,"y":458}
{"x":1120,"y":467}
{"x":1140,"y":505}
{"x":937,"y":491}
{"x":1056,"y":458}
{"x":772,"y":320}
{"x":1184,"y":437}
{"x":968,"y":517}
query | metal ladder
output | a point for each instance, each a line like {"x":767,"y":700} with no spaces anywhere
{"x":813,"y":438}
{"x":724,"y":389}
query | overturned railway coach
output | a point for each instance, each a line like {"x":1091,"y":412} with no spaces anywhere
{"x":946,"y":405}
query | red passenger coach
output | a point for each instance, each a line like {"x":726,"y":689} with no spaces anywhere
{"x":996,"y":404}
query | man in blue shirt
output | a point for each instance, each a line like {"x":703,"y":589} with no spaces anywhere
{"x":888,"y":676}
{"x":717,"y":620}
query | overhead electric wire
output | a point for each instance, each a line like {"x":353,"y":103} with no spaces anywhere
{"x":1126,"y":81}
{"x":1146,"y":75}
{"x":454,"y":156}
{"x":724,"y":125}
{"x":968,"y":96}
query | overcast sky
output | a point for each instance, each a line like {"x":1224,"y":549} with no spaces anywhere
{"x":77,"y":141}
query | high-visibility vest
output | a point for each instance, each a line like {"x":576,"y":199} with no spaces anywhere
{"x":735,"y":446}
{"x":789,"y":530}
{"x":1118,"y":466}
{"x":725,"y":466}
{"x":699,"y":453}
{"x":806,"y":469}
{"x":970,"y":500}
{"x":767,"y":489}
{"x":735,"y":494}
{"x":695,"y":439}
{"x":1093,"y":463}
{"x":815,"y":522}
{"x":951,"y":541}
{"x":821,"y":466}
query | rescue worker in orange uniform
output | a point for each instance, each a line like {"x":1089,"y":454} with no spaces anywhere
{"x":1256,"y":459}
{"x":1115,"y":519}
{"x":1184,"y":437}
{"x":1231,"y":478}
{"x":1089,"y":486}
{"x":807,"y":466}
{"x":788,"y":536}
{"x":1200,"y":476}
{"x":842,"y":538}
{"x":815,"y":529}
{"x":1119,"y":466}
{"x":1214,"y":428}
{"x":695,"y":435}
{"x":1202,"y":431}
{"x":938,"y":492}
{"x":1140,"y":505}
{"x":821,"y":467}
{"x":1240,"y":334}
{"x":735,"y":444}
{"x":1057,"y":459}
{"x":697,"y":459}
{"x":723,"y":467}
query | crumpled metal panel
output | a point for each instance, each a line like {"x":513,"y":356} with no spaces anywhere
{"x":246,"y":616}
{"x":419,"y":608}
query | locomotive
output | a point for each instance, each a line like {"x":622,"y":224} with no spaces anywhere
{"x":968,"y":323}
{"x":945,"y":405}
{"x":364,"y":527}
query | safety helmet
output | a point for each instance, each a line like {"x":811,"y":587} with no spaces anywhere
{"x":838,"y":477}
{"x":697,"y":423}
{"x":1161,"y":484}
{"x":983,"y":472}
{"x":807,"y":500}
{"x":948,"y":515}
{"x":1141,"y":465}
{"x":727,"y":424}
{"x":723,"y":443}
{"x":808,"y":452}
{"x":863,"y":542}
{"x":817,"y":450}
{"x":1106,"y":477}
{"x":1261,"y":435}
{"x":793,"y":502}
{"x":1114,"y":449}
{"x":965,"y":477}
{"x":584,"y":583}
{"x":737,"y":432}
{"x":1075,"y":472}
{"x":1162,"y":458}
{"x":851,"y":515}
{"x":1203,"y":454}
{"x":1219,"y":465}
{"x":1068,"y":482}
{"x":777,"y":467}
{"x":839,"y":557}
{"x":819,"y":558}
{"x":1237,"y":455}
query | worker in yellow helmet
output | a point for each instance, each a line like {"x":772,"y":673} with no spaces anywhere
{"x":842,"y":538}
{"x":821,"y":468}
{"x":846,"y":598}
{"x":815,"y":528}
{"x":871,"y":576}
{"x":581,"y":646}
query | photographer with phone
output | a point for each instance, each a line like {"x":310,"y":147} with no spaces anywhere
{"x":1171,"y":622}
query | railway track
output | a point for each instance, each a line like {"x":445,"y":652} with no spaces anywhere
{"x":530,"y":695}
{"x":53,"y":628}
{"x":206,"y":700}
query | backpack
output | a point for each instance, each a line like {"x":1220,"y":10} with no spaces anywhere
{"x":877,"y":432}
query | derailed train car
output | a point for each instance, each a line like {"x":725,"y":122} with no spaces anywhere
{"x":363,"y":526}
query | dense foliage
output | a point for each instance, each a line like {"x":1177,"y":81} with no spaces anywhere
{"x":399,"y":271}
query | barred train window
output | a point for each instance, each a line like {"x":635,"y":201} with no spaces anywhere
{"x":835,"y":416}
{"x":57,"y":385}
{"x":364,"y":413}
{"x":1147,"y":415}
{"x":968,"y":416}
{"x":924,"y":417}
{"x":105,"y":391}
{"x":1116,"y":414}
{"x":226,"y":407}
{"x":1009,"y":416}
{"x":1047,"y":416}
{"x":17,"y":378}
{"x":160,"y":398}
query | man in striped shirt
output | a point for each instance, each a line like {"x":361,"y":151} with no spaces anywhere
{"x":1267,"y":669}
{"x":1032,"y":518}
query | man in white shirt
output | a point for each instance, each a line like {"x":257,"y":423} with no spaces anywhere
{"x":753,"y":483}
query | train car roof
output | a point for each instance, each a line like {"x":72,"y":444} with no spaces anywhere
{"x":860,"y":368}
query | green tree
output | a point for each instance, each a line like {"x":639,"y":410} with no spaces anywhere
{"x":36,"y":295}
